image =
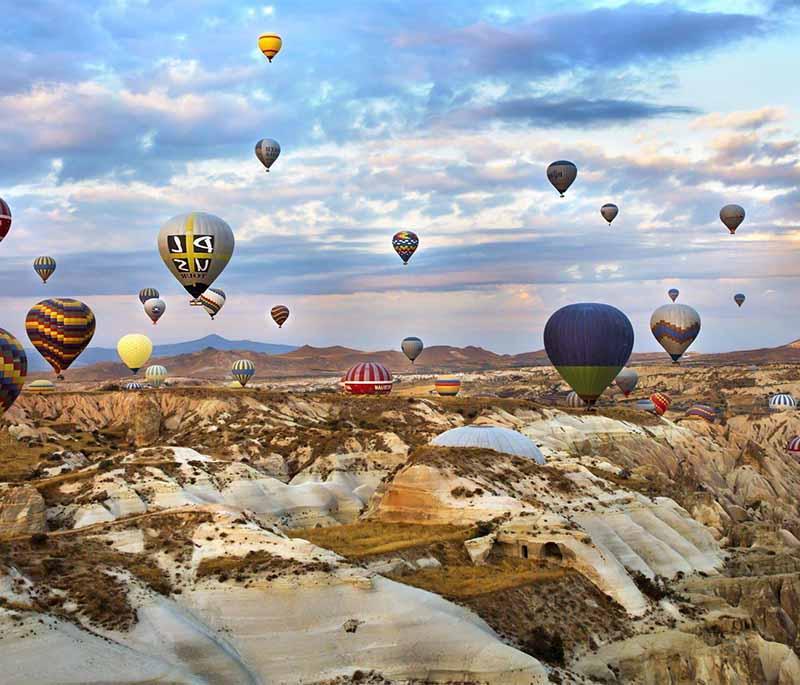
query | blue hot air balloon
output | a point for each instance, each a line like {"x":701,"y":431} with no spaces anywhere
{"x":588,"y":343}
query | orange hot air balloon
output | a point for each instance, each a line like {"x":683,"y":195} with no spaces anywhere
{"x":270,"y":44}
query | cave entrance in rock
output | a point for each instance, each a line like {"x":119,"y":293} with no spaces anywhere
{"x":550,"y":550}
{"x":524,"y":551}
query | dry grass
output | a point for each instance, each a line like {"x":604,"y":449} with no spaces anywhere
{"x":373,"y":538}
{"x":468,"y":581}
{"x":256,"y":562}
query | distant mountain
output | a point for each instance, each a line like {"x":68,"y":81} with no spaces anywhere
{"x":96,"y":355}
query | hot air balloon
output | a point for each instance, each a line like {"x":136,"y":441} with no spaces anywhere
{"x":794,"y":445}
{"x":702,"y":411}
{"x":405,"y":243}
{"x":609,"y":212}
{"x":661,"y":402}
{"x":732,"y":216}
{"x":156,"y":375}
{"x":267,"y":151}
{"x":626,"y":380}
{"x":447,"y":386}
{"x":781,"y":401}
{"x":561,"y":174}
{"x":13,"y":370}
{"x":739,"y":299}
{"x":573,"y":401}
{"x":212,"y":301}
{"x":675,"y":326}
{"x":196,"y":248}
{"x":154,"y":308}
{"x":148,"y":294}
{"x":132,"y":386}
{"x":279,"y":314}
{"x":60,"y":329}
{"x":44,"y":266}
{"x":5,"y":219}
{"x":368,"y":378}
{"x":41,"y":385}
{"x":412,"y":347}
{"x":588,"y":343}
{"x":646,"y":405}
{"x":673,"y":293}
{"x":242,"y":370}
{"x":270,"y":44}
{"x":134,"y":350}
{"x":495,"y":438}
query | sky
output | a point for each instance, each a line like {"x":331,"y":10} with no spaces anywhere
{"x":438,"y":117}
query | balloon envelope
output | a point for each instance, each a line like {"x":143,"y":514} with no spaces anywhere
{"x":242,"y":370}
{"x":661,"y":402}
{"x":148,"y":294}
{"x":134,"y":350}
{"x":412,"y":347}
{"x":732,"y":216}
{"x":60,"y":329}
{"x":5,"y":218}
{"x":561,"y":175}
{"x":626,"y":380}
{"x":279,"y":314}
{"x":574,"y":401}
{"x":739,"y":299}
{"x":495,"y":438}
{"x":609,"y":211}
{"x":405,"y":243}
{"x":13,"y":370}
{"x":45,"y":267}
{"x":675,"y":326}
{"x":270,"y":44}
{"x":267,"y":151}
{"x":155,"y":308}
{"x":588,"y":344}
{"x":156,"y":375}
{"x":196,"y":248}
{"x":212,"y":300}
{"x":673,"y":293}
{"x":447,"y":386}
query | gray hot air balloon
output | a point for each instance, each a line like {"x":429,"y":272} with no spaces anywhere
{"x":739,"y":299}
{"x":561,"y":174}
{"x":155,"y":308}
{"x":609,"y":212}
{"x":267,"y":151}
{"x":412,"y":347}
{"x":732,"y":216}
{"x":675,"y":326}
{"x":626,"y":380}
{"x":196,"y":248}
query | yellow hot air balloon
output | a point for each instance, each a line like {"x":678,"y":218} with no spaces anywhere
{"x":134,"y":350}
{"x":270,"y":44}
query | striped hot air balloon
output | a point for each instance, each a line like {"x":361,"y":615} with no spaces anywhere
{"x":156,"y":375}
{"x":148,"y":294}
{"x":661,"y":402}
{"x":243,"y":370}
{"x":45,"y":267}
{"x":212,"y":300}
{"x":368,"y":378}
{"x":41,"y":385}
{"x":588,"y":344}
{"x":279,"y":314}
{"x":702,"y":411}
{"x":675,"y":326}
{"x":574,"y":401}
{"x":405,"y":243}
{"x":447,"y":386}
{"x":60,"y":329}
{"x":5,"y":218}
{"x":270,"y":44}
{"x":794,"y":445}
{"x":13,"y":370}
{"x":782,"y":401}
{"x":132,"y":385}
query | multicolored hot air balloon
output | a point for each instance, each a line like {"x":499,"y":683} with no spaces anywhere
{"x":561,"y":175}
{"x":368,"y":378}
{"x":412,"y":347}
{"x":573,"y":401}
{"x":5,"y":219}
{"x":405,"y":243}
{"x":739,"y":299}
{"x":148,"y":294}
{"x":661,"y":402}
{"x":155,"y":308}
{"x":675,"y":326}
{"x":134,"y":350}
{"x":60,"y":329}
{"x":626,"y":380}
{"x":267,"y":151}
{"x":673,"y":293}
{"x":212,"y":300}
{"x":732,"y":216}
{"x":196,"y":248}
{"x":13,"y":370}
{"x":447,"y":386}
{"x":45,"y":267}
{"x":279,"y":314}
{"x":156,"y":375}
{"x":588,"y":344}
{"x":270,"y":44}
{"x":702,"y":411}
{"x":609,"y":212}
{"x":242,"y":370}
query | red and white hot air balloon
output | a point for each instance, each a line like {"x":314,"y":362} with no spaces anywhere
{"x":368,"y":378}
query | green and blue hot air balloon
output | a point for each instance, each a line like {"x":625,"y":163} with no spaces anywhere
{"x":588,"y":343}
